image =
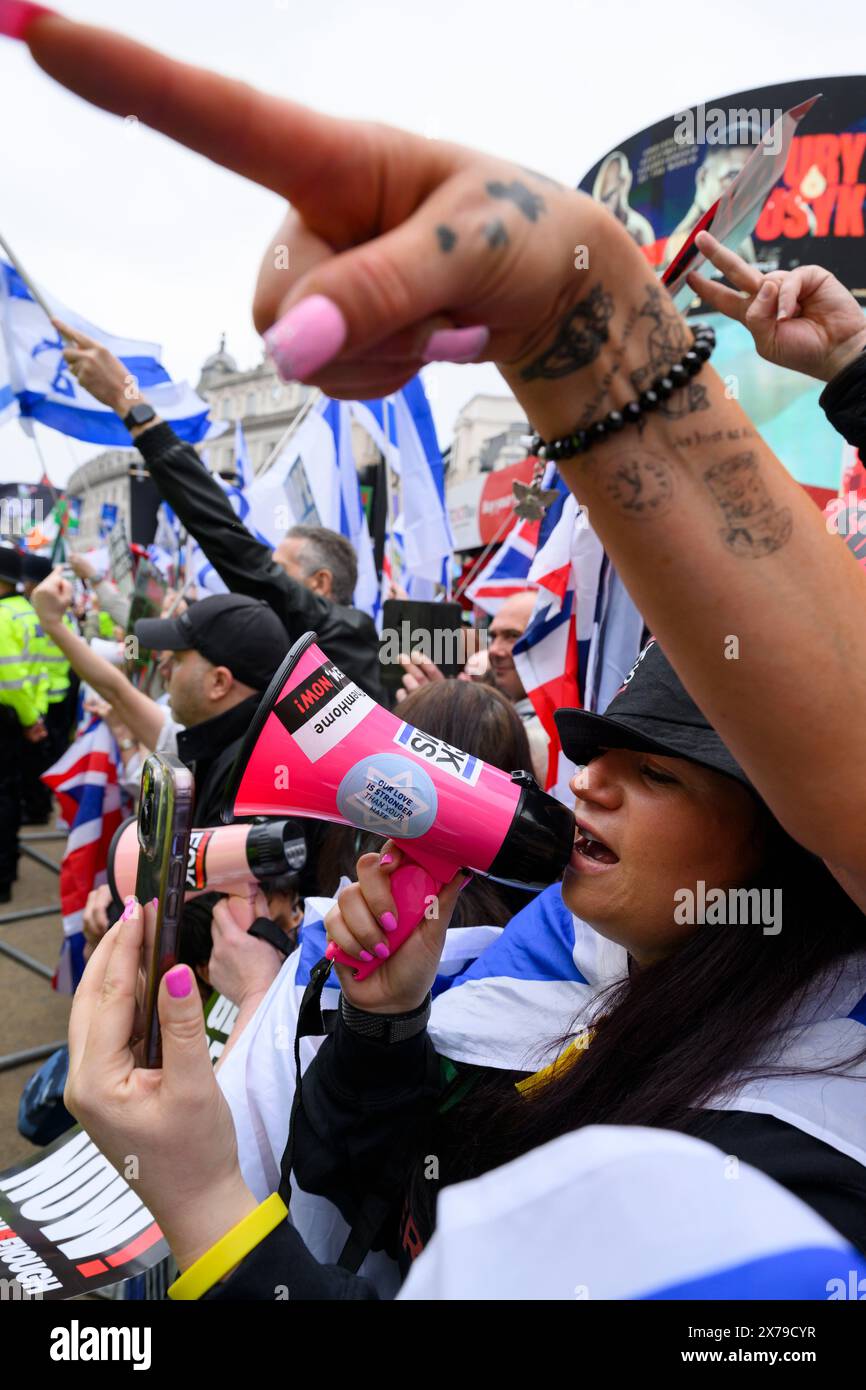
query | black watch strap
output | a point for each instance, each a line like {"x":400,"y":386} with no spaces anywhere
{"x":386,"y":1028}
{"x":140,"y":414}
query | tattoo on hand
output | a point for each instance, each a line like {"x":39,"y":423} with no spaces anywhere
{"x":755,"y":526}
{"x":530,"y":204}
{"x":578,"y":340}
{"x":639,"y":483}
{"x":496,"y":233}
{"x":446,"y":237}
{"x":668,"y":341}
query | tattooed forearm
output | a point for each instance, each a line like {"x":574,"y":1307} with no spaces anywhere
{"x":668,"y":340}
{"x":446,"y":237}
{"x":530,"y":204}
{"x":496,"y":233}
{"x":754,"y":525}
{"x":578,"y":340}
{"x":593,"y":406}
{"x":639,"y":483}
{"x":700,"y":438}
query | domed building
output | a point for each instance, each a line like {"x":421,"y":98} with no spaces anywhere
{"x":265,"y":406}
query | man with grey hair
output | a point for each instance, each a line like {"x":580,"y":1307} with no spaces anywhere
{"x":308,"y":579}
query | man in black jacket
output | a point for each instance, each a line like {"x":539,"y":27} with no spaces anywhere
{"x":225,"y":651}
{"x":305,"y":579}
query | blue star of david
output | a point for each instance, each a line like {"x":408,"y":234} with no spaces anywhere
{"x":63,"y":383}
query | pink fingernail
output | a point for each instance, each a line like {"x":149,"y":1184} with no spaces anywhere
{"x":330,"y":950}
{"x":129,"y":910}
{"x":16,"y":16}
{"x":307,"y":337}
{"x":178,"y":981}
{"x":382,"y":951}
{"x":386,"y":859}
{"x":456,"y":344}
{"x":365,"y":955}
{"x":389,"y":921}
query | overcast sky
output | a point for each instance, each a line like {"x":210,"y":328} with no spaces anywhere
{"x":150,"y":241}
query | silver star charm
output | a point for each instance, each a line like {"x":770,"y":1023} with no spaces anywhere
{"x":531,"y":500}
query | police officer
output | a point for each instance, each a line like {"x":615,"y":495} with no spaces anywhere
{"x":21,"y":706}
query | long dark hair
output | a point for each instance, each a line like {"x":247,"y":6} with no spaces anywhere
{"x":667,"y":1039}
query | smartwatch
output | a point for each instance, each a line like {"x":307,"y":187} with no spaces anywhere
{"x":141,"y":414}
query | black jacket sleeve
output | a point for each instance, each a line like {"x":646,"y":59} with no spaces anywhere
{"x":281,"y":1267}
{"x":243,"y":563}
{"x":363,"y":1102}
{"x":353,"y":1139}
{"x":843,"y":401}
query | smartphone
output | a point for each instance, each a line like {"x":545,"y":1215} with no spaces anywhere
{"x":436,"y":629}
{"x":164,"y":821}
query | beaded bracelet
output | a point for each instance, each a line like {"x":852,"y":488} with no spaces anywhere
{"x":663,"y":386}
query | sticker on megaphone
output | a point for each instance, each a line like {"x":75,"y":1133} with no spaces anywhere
{"x":444,"y":808}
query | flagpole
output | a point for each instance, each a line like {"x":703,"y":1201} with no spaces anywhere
{"x":389,"y":493}
{"x":299,"y":419}
{"x":34,"y":292}
{"x":507,"y":522}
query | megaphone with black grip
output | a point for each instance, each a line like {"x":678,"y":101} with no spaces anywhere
{"x":225,"y":858}
{"x":320,"y":746}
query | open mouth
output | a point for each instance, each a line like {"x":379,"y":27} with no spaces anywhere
{"x":588,"y":846}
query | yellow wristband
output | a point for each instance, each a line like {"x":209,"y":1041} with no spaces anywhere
{"x":230,"y":1249}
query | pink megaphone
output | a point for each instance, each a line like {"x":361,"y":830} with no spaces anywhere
{"x":319,"y":746}
{"x":224,"y":858}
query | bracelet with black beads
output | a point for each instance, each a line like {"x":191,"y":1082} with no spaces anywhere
{"x":581,"y":440}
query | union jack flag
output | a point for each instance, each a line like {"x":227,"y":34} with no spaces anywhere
{"x":85,"y":783}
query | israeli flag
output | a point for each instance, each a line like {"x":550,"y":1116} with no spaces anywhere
{"x":314,"y":482}
{"x":36,"y":381}
{"x":410,"y":445}
{"x":243,"y":467}
{"x":8,"y":399}
{"x":616,"y":1212}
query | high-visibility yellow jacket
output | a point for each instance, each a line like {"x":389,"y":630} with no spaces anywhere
{"x":23,"y":684}
{"x":55,"y":666}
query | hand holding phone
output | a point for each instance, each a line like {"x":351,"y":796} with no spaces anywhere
{"x":164,"y":821}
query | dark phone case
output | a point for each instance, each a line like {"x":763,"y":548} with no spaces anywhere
{"x":167,"y":790}
{"x":429,"y":621}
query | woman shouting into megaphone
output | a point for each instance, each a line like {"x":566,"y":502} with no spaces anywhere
{"x":735,"y":758}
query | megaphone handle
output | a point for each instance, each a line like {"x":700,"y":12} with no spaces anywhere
{"x":413,"y":890}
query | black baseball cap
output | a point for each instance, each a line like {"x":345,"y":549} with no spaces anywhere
{"x":230,"y":630}
{"x":650,"y":713}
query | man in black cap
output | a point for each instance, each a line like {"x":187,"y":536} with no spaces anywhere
{"x":308,"y":579}
{"x":222,"y":654}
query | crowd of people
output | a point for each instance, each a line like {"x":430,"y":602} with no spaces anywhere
{"x":517,"y":1044}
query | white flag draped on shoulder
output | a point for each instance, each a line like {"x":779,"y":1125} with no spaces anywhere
{"x":618,"y":1212}
{"x":539,"y":982}
{"x":37,"y":377}
{"x":505,"y":999}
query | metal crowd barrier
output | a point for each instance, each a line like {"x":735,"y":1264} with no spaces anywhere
{"x":31,"y":1054}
